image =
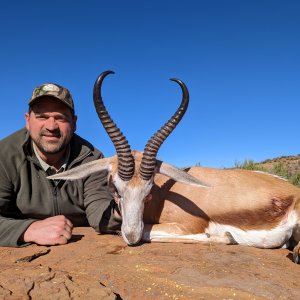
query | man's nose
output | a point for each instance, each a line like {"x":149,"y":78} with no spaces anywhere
{"x":51,"y":124}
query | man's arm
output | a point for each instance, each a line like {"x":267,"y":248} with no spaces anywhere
{"x":17,"y":232}
{"x":10,"y":229}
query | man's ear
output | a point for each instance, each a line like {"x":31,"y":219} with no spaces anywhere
{"x":74,"y":123}
{"x":27,"y":120}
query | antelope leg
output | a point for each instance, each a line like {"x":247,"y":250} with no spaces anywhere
{"x":173,"y":232}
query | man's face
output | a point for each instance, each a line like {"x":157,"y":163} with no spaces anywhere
{"x":51,"y":125}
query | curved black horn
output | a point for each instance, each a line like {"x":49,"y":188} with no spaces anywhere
{"x":149,"y":157}
{"x":125,"y":158}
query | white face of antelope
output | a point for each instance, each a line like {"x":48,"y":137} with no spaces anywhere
{"x":131,"y":196}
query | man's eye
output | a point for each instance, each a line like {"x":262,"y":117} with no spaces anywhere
{"x":41,"y":117}
{"x":62,"y":119}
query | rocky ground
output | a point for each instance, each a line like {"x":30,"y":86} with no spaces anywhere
{"x":95,"y":266}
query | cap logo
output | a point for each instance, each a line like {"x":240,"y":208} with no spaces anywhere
{"x":50,"y":88}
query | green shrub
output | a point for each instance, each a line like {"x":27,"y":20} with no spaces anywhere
{"x":248,"y":164}
{"x":295,"y":179}
{"x":280,"y":170}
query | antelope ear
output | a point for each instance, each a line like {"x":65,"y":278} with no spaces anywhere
{"x":85,"y":169}
{"x":178,"y":174}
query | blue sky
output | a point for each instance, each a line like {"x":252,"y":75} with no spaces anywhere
{"x":239,"y":59}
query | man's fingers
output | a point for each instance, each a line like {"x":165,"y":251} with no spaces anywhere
{"x":65,"y":221}
{"x":62,"y":219}
{"x":65,"y":230}
{"x":67,"y":234}
{"x":67,"y":227}
{"x":69,"y":223}
{"x":61,"y":240}
{"x":62,"y":236}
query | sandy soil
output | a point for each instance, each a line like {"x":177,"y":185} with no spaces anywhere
{"x":95,"y":266}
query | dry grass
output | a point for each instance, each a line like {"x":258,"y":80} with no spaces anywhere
{"x":284,"y":166}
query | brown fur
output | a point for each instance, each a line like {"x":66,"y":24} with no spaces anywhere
{"x":267,"y":217}
{"x":241,"y":198}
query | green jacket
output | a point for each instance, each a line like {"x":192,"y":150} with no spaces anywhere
{"x":26,"y":195}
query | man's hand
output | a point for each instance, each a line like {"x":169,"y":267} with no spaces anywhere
{"x":51,"y":231}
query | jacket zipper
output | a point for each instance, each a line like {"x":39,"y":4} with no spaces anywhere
{"x":56,"y":189}
{"x":55,"y":201}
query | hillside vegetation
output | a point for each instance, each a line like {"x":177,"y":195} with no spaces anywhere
{"x":284,"y":166}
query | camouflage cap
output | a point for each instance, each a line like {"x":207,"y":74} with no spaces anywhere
{"x":52,"y":90}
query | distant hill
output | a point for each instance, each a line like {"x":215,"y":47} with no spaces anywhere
{"x":284,"y":166}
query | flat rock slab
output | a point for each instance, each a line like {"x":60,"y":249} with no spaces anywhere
{"x":95,"y":266}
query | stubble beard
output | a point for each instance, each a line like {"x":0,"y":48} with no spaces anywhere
{"x":52,"y":147}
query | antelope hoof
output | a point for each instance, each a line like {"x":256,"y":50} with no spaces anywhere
{"x":231,"y":239}
{"x":296,"y":254}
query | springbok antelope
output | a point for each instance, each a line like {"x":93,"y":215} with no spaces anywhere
{"x":230,"y":206}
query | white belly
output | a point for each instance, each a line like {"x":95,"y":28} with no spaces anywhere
{"x":271,"y":238}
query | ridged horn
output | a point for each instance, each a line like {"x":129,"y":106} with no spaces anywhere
{"x":149,"y":157}
{"x":125,"y":158}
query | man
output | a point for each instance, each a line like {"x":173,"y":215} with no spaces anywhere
{"x":34,"y":209}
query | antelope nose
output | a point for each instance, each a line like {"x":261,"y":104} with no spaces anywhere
{"x":132,"y":238}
